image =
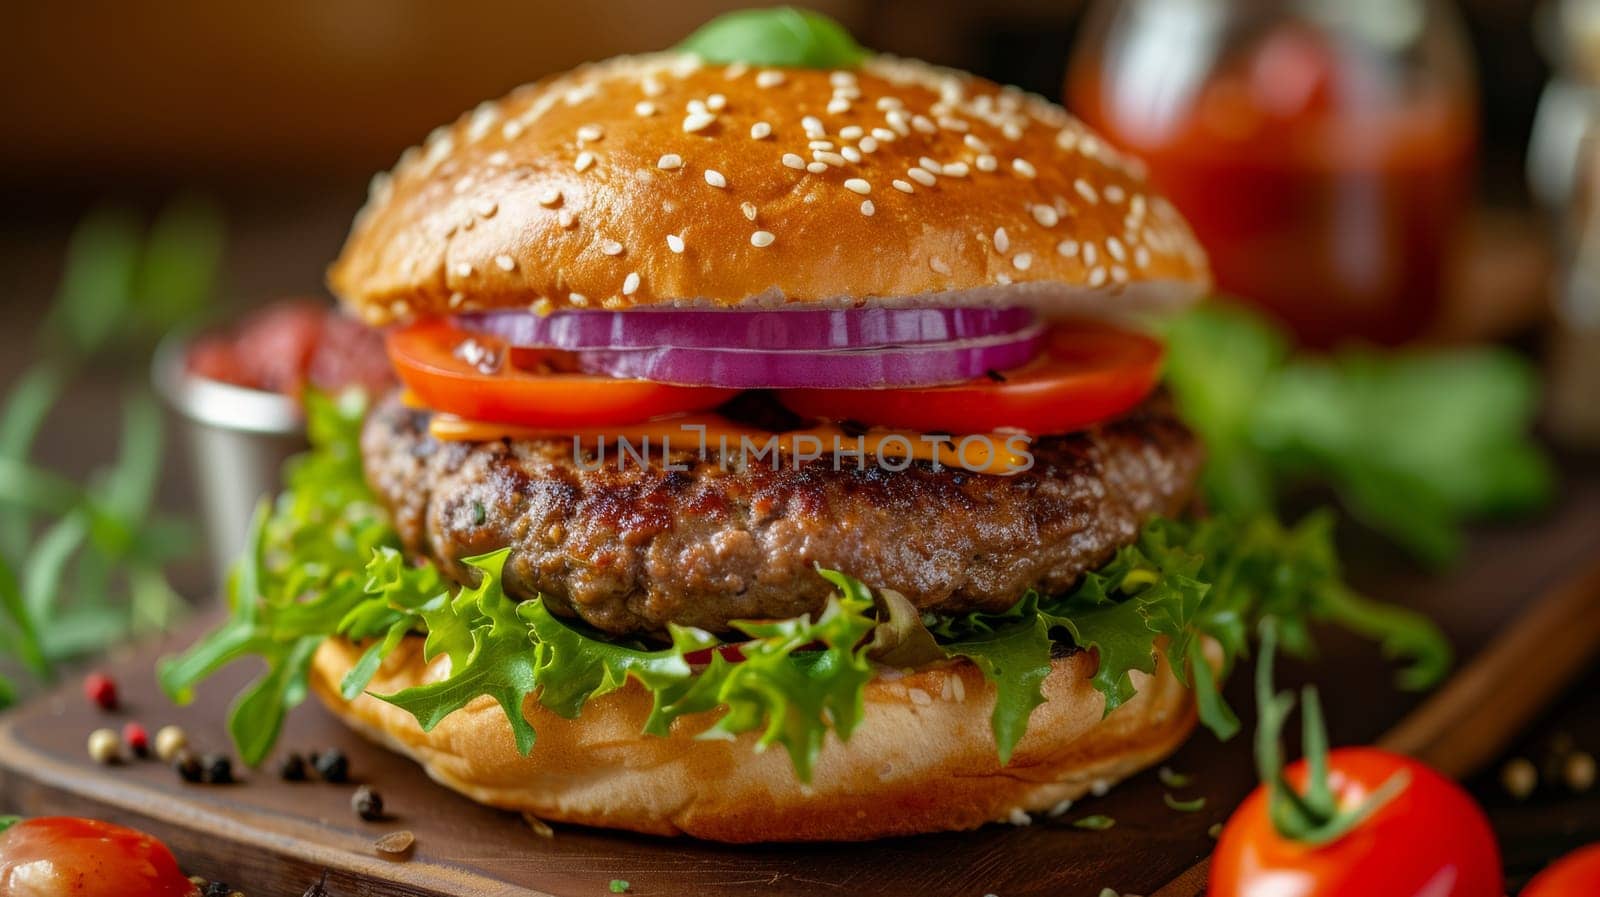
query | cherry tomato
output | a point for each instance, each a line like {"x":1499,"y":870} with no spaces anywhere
{"x":1087,"y":373}
{"x":63,"y":856}
{"x":1430,"y":840}
{"x":1575,"y":875}
{"x":473,"y":375}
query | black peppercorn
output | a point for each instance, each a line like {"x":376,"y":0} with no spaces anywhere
{"x":292,"y":768}
{"x":216,"y":769}
{"x":332,"y":765}
{"x":217,"y":889}
{"x":367,"y":804}
{"x":187,"y":766}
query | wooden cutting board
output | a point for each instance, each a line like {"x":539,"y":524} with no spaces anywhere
{"x":271,"y":838}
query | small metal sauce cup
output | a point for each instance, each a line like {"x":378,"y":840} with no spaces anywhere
{"x":237,"y":438}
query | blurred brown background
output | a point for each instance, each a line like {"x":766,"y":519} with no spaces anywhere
{"x":271,"y":106}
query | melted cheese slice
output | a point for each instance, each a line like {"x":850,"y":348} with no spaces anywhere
{"x":712,"y":435}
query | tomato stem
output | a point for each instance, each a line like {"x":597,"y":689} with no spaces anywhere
{"x":1313,"y":817}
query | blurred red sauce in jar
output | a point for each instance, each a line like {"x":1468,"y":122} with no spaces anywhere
{"x":292,"y":344}
{"x":1327,"y":187}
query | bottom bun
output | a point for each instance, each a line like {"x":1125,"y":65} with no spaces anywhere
{"x":922,"y":760}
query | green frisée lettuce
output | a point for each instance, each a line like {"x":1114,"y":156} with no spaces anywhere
{"x":324,"y":561}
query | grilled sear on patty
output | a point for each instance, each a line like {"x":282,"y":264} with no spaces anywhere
{"x":630,"y":551}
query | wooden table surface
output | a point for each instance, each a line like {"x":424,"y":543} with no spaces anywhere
{"x":283,"y":837}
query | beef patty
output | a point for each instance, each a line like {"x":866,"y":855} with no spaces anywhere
{"x":629,"y":551}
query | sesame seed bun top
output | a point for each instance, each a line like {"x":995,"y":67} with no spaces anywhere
{"x":659,"y":180}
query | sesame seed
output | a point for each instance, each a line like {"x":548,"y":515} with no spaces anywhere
{"x":1068,"y":248}
{"x":1086,"y":190}
{"x":577,"y":299}
{"x":630,"y":284}
{"x":611,"y":247}
{"x":1141,"y":257}
{"x":858,"y":185}
{"x":817,"y":167}
{"x":505,"y":262}
{"x":790,"y":160}
{"x":953,"y":124}
{"x":1089,"y":146}
{"x":1012,"y":130}
{"x":769,"y":78}
{"x":955,"y":169}
{"x":884,"y":135}
{"x":887,"y":103}
{"x":924,"y":124}
{"x":669,"y":162}
{"x":903,"y":186}
{"x":986,"y":162}
{"x":820,"y":145}
{"x":463,"y":269}
{"x":749,"y":210}
{"x":1119,"y":274}
{"x":716,"y":102}
{"x":644,"y":108}
{"x":735,"y":70}
{"x":498,"y":157}
{"x":761,"y":238}
{"x":921,"y":176}
{"x":930,"y":165}
{"x":590,"y":133}
{"x":652,"y":86}
{"x":1023,"y":261}
{"x":584,"y":160}
{"x":938,"y":265}
{"x":813,"y":126}
{"x":1002,"y":240}
{"x":1045,"y":215}
{"x":833,"y":159}
{"x":511,"y":130}
{"x":841,"y":78}
{"x":1114,"y":247}
{"x":485,"y":208}
{"x":715,"y":178}
{"x":850,"y":153}
{"x":674,"y":242}
{"x":869,"y":144}
{"x":760,"y":130}
{"x":851,"y":132}
{"x":1097,"y":277}
{"x":1090,"y":255}
{"x":696,"y":107}
{"x":838,"y":106}
{"x":867,"y":208}
{"x":566,"y":219}
{"x":698,"y":121}
{"x":1023,"y":167}
{"x":975,"y":144}
{"x":1002,"y":279}
{"x":1114,"y":194}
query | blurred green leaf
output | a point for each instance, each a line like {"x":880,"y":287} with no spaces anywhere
{"x":15,"y":609}
{"x":1413,"y":442}
{"x":179,"y":269}
{"x":97,"y":283}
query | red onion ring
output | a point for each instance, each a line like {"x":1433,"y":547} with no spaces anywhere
{"x":776,"y":329}
{"x":887,"y":367}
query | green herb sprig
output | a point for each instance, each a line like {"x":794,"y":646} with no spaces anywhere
{"x":81,"y":563}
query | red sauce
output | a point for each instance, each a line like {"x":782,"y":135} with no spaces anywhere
{"x":1321,"y":191}
{"x":63,"y":856}
{"x":292,"y":344}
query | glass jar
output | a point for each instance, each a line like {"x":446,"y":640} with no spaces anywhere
{"x":1323,"y":150}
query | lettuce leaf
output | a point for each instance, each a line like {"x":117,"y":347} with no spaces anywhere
{"x":324,"y":561}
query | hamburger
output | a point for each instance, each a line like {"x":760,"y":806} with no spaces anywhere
{"x":780,"y":456}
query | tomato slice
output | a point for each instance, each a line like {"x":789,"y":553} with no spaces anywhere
{"x":1088,"y":372}
{"x":479,"y":378}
